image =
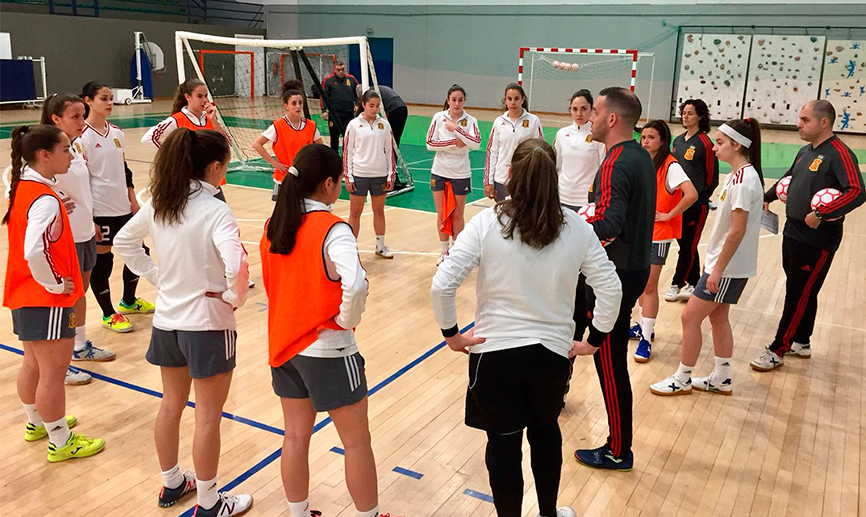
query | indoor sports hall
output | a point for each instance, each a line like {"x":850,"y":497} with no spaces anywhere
{"x":785,"y":442}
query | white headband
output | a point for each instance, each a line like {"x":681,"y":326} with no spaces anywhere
{"x":735,"y":135}
{"x":294,"y":172}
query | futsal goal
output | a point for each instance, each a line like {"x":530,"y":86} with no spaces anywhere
{"x":244,"y":78}
{"x":550,"y":75}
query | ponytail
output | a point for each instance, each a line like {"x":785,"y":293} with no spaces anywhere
{"x":89,"y":91}
{"x":751,"y":129}
{"x":454,"y":88}
{"x":183,"y":89}
{"x":533,"y":208}
{"x":314,"y":164}
{"x":183,"y":157}
{"x":56,"y":104}
{"x":519,"y":89}
{"x":26,"y":142}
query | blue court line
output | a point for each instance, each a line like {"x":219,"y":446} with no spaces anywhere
{"x":478,"y":495}
{"x":338,"y":450}
{"x":407,"y":472}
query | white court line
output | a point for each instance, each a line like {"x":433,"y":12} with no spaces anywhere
{"x":420,"y":161}
{"x":748,"y":309}
{"x":413,"y":253}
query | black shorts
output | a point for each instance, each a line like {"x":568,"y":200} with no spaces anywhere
{"x":375,"y":186}
{"x":461,"y":187}
{"x":329,"y":382}
{"x":205,"y":352}
{"x":659,"y":253}
{"x":511,"y":389}
{"x":730,"y":290}
{"x":43,"y":323}
{"x":110,"y":226}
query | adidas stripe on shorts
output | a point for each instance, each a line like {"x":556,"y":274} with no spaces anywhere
{"x":659,"y":253}
{"x":205,"y":352}
{"x":329,"y":382}
{"x":730,"y":290}
{"x":43,"y":323}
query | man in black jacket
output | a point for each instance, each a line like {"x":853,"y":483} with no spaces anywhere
{"x":811,"y":235}
{"x":624,"y":192}
{"x":338,"y":106}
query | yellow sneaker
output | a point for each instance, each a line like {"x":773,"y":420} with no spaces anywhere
{"x":139,"y":307}
{"x":33,"y":433}
{"x":77,"y":446}
{"x":117,"y":323}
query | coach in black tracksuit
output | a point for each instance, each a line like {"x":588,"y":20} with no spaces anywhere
{"x":624,"y":192}
{"x":339,"y":102}
{"x":694,"y":151}
{"x":811,"y":237}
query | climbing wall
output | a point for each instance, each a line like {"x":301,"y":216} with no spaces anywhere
{"x":713,"y":68}
{"x":784,"y":74}
{"x":845,"y":83}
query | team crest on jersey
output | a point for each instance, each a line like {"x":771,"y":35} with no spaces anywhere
{"x":348,"y":83}
{"x":690,"y":153}
{"x":588,"y":139}
{"x":463,"y":122}
{"x":816,"y":163}
{"x":590,"y":188}
{"x":78,"y":148}
{"x":117,"y":143}
{"x":432,"y":182}
{"x":525,"y":123}
{"x":724,"y":194}
{"x":381,"y":125}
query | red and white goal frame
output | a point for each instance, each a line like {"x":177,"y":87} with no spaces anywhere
{"x":557,"y":50}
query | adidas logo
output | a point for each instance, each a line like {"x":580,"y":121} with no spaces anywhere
{"x":98,"y":145}
{"x":806,"y":268}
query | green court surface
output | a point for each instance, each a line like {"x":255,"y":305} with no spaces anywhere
{"x":776,"y":158}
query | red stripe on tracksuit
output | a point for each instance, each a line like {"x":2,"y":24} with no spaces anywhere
{"x":487,"y":179}
{"x":854,"y":187}
{"x":611,"y":397}
{"x":804,"y":299}
{"x":604,"y":187}
{"x":708,"y":152}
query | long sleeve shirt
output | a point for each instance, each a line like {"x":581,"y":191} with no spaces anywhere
{"x":505,"y":136}
{"x":44,"y":222}
{"x":577,"y":162}
{"x":368,"y":150}
{"x":451,"y":161}
{"x":156,"y":134}
{"x":203,"y":253}
{"x":526,"y":295}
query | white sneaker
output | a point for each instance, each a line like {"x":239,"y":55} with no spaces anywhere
{"x":767,"y":361}
{"x":671,"y":386}
{"x":384,"y":252}
{"x":712,"y":385}
{"x":228,"y":505}
{"x":565,"y":511}
{"x":685,"y":293}
{"x":712,"y":206}
{"x":75,"y":377}
{"x":800,"y":350}
{"x":671,"y":295}
{"x":251,"y":283}
{"x":93,"y":353}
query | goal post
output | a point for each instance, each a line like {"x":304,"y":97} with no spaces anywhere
{"x":244,"y":78}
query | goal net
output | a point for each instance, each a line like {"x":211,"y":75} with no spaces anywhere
{"x":551,"y":75}
{"x":244,"y":77}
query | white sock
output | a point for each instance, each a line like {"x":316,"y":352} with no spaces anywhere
{"x":380,"y":242}
{"x":647,"y":327}
{"x":58,"y":432}
{"x":80,"y":338}
{"x":684,"y":373}
{"x":371,"y":513}
{"x":723,"y":368}
{"x":301,"y":509}
{"x":444,"y":246}
{"x":32,"y":415}
{"x":206,"y":491}
{"x":173,"y":477}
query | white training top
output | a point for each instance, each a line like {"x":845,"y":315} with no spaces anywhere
{"x":203,"y":253}
{"x":743,"y":190}
{"x":156,"y":134}
{"x":76,"y":184}
{"x":44,"y":222}
{"x":368,"y":149}
{"x":675,"y":177}
{"x":578,"y":158}
{"x":505,"y":136}
{"x":525,"y":295}
{"x":104,"y":150}
{"x":451,"y":161}
{"x":340,"y":251}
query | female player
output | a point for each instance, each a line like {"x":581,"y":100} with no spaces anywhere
{"x":314,"y":359}
{"x":732,"y":258}
{"x":518,"y":356}
{"x":452,"y":134}
{"x":288,"y":134}
{"x":43,"y":284}
{"x":114,"y":204}
{"x":509,"y":129}
{"x":577,"y":156}
{"x":202,"y":278}
{"x":369,"y":167}
{"x":674,"y":194}
{"x":694,"y":152}
{"x":66,"y":111}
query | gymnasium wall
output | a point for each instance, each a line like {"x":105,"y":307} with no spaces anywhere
{"x":477,"y":46}
{"x":79,"y":49}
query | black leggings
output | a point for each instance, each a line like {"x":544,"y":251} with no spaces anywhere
{"x":504,"y":457}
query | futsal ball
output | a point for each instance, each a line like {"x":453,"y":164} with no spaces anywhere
{"x":782,"y":189}
{"x":556,"y":64}
{"x":586,"y":211}
{"x":824,"y":197}
{"x":575,"y":66}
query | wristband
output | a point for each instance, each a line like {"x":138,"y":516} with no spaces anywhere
{"x":453,"y":331}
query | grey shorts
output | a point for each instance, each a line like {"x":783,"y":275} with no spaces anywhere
{"x":659,"y":253}
{"x":43,"y":323}
{"x":501,"y":191}
{"x":276,"y":192}
{"x":205,"y":352}
{"x":730,"y":290}
{"x":330,"y":383}
{"x":375,"y":186}
{"x":86,"y":254}
{"x":461,"y":187}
